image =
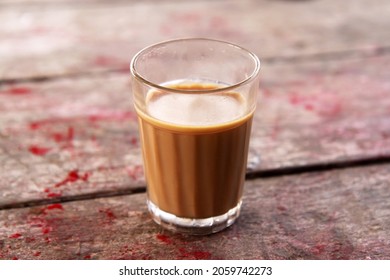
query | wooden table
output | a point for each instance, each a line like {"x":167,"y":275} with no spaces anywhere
{"x":71,"y":176}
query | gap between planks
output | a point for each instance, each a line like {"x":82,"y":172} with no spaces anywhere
{"x":251,"y":175}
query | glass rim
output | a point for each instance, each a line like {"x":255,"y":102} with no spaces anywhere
{"x":252,"y":76}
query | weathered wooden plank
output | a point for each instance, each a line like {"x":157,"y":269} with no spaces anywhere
{"x":71,"y":137}
{"x":340,"y":214}
{"x":42,"y":40}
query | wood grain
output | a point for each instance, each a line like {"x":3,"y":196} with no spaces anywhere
{"x":341,"y":214}
{"x":49,"y":40}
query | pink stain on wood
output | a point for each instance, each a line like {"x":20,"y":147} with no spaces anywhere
{"x":56,"y":206}
{"x":38,"y":150}
{"x":134,"y":141}
{"x":66,"y":137}
{"x":72,"y":177}
{"x":324,"y":104}
{"x":51,"y":194}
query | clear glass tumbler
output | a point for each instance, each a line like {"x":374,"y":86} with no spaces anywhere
{"x":195,"y":100}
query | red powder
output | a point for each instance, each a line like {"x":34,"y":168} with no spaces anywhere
{"x":55,"y":206}
{"x":108,"y":212}
{"x":37,"y":254}
{"x":198,"y":255}
{"x":19,"y":90}
{"x":164,"y":238}
{"x":15,"y":235}
{"x":51,"y":195}
{"x":134,"y":141}
{"x":46,"y":230}
{"x":87,"y":257}
{"x":73,"y":176}
{"x":35,"y":125}
{"x":39,"y":151}
{"x":14,"y":258}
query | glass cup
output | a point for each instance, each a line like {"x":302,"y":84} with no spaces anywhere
{"x":195,"y":100}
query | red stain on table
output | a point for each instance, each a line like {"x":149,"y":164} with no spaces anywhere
{"x":18,"y":90}
{"x":15,"y":235}
{"x":38,"y":150}
{"x":73,"y":176}
{"x":197,"y":255}
{"x":51,"y":194}
{"x":164,"y":238}
{"x":108,"y":212}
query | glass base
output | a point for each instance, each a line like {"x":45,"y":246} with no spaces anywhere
{"x":193,"y":226}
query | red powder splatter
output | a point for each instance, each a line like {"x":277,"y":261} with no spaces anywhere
{"x":19,"y":90}
{"x":37,"y":254}
{"x":318,"y":249}
{"x":37,"y":150}
{"x":73,"y":176}
{"x":198,"y":255}
{"x":15,"y":235}
{"x":326,"y":104}
{"x":46,"y":230}
{"x":164,"y":238}
{"x":52,"y":194}
{"x":55,"y":206}
{"x":108,"y":212}
{"x":135,"y":172}
{"x":87,"y":257}
{"x":14,"y":258}
{"x":134,"y":141}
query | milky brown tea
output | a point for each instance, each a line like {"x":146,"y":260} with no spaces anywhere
{"x":195,"y":150}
